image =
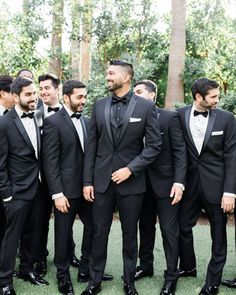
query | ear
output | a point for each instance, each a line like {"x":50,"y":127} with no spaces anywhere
{"x":127,"y":78}
{"x":16,"y":97}
{"x":198,"y":97}
{"x":66,"y":98}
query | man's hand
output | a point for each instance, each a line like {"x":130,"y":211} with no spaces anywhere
{"x":121,"y":175}
{"x":227,"y":203}
{"x":88,"y":192}
{"x":62,"y":204}
{"x":176,"y":193}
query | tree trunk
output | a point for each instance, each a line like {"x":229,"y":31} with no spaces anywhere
{"x":85,"y":45}
{"x":75,"y":39}
{"x":56,"y":46}
{"x":175,"y":89}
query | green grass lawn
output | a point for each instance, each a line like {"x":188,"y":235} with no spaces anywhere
{"x":147,"y":286}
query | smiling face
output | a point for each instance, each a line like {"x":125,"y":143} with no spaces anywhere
{"x":209,"y":102}
{"x":27,"y":98}
{"x":48,"y":93}
{"x":76,"y":100}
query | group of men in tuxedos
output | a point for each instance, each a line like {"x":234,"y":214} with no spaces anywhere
{"x":141,"y":159}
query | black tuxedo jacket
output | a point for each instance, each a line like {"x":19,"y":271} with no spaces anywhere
{"x":171,"y":164}
{"x":62,"y":154}
{"x":104,"y":157}
{"x":19,"y":167}
{"x":215,"y":166}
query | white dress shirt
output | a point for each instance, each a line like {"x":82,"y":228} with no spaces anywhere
{"x":45,"y":108}
{"x":198,"y":126}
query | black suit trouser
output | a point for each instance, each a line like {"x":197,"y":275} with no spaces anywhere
{"x":21,"y":215}
{"x":169,"y":224}
{"x":2,"y":222}
{"x":190,"y":210}
{"x":63,"y":229}
{"x":147,"y":231}
{"x":129,"y":207}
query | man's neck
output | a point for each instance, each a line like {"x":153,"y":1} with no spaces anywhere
{"x":122,"y":91}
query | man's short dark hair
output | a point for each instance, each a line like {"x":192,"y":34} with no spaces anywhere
{"x":5,"y":83}
{"x":149,"y":85}
{"x":202,"y":86}
{"x":24,"y":70}
{"x":19,"y":83}
{"x":125,"y":64}
{"x":70,"y":85}
{"x":55,"y":80}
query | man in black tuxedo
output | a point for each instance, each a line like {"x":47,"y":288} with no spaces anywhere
{"x":210,"y":138}
{"x":49,"y":92}
{"x":20,"y":185}
{"x":64,"y":138}
{"x":6,"y":103}
{"x":166,"y":179}
{"x":115,"y":160}
{"x":232,"y":283}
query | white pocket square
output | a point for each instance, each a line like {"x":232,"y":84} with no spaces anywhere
{"x":132,"y":120}
{"x":217,"y":133}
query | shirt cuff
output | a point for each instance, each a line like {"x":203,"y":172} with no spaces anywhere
{"x":7,"y":199}
{"x":229,"y":195}
{"x":56,"y":196}
{"x":180,"y":185}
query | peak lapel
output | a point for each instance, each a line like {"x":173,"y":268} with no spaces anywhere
{"x":107,"y":117}
{"x":22,"y":130}
{"x":212,"y":116}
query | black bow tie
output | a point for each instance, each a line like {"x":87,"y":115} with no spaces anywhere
{"x":196,"y":113}
{"x":6,"y":111}
{"x":28,"y":115}
{"x":76,"y":115}
{"x":118,"y":99}
{"x":50,"y":109}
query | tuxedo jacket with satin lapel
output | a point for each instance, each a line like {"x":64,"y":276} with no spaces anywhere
{"x":171,"y":164}
{"x":103,"y":157}
{"x":19,"y":167}
{"x":62,"y":154}
{"x":215,"y":166}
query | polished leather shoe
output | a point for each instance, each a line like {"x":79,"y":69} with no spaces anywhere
{"x":92,"y":290}
{"x":141,"y":273}
{"x":187,"y":273}
{"x":209,"y":290}
{"x":7,"y":290}
{"x":41,"y":268}
{"x":130,"y":289}
{"x":229,"y":283}
{"x":74,"y":261}
{"x":33,"y":278}
{"x":168,"y":288}
{"x":84,"y":277}
{"x":65,"y":287}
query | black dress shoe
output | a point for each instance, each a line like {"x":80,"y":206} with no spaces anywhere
{"x":169,"y":288}
{"x":130,"y":289}
{"x":92,"y":290}
{"x":141,"y":273}
{"x":41,"y":268}
{"x":7,"y":290}
{"x":74,"y":261}
{"x":84,"y":277}
{"x":187,"y":273}
{"x":65,"y":287}
{"x":209,"y":290}
{"x":33,"y":279}
{"x":229,"y":283}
